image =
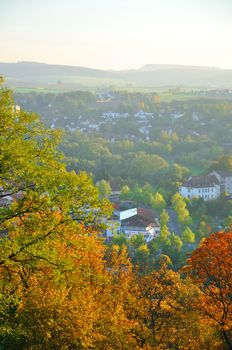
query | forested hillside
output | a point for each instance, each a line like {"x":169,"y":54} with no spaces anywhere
{"x":62,"y":287}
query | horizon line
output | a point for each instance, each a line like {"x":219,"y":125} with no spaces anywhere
{"x":173,"y":65}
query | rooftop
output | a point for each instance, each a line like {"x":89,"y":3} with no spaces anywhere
{"x":224,"y":173}
{"x":144,"y":218}
{"x":201,"y":181}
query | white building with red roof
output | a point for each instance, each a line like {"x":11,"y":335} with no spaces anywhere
{"x":206,"y":187}
{"x":133,"y":221}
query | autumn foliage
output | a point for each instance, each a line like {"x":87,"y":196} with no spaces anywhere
{"x":62,"y":288}
{"x":210,"y":267}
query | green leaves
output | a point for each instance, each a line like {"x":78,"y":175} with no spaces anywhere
{"x":45,"y":196}
{"x":179,"y":205}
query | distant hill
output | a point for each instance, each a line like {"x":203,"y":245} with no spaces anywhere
{"x":33,"y":74}
{"x":153,"y":67}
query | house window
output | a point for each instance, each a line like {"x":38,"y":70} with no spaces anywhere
{"x":199,"y":190}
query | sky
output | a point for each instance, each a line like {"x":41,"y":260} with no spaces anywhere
{"x":117,"y":34}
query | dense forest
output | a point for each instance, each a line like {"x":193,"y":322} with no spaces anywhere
{"x":62,"y":287}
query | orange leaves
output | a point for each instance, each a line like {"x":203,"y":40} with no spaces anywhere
{"x":78,"y":299}
{"x":211,"y":263}
{"x":210,"y":266}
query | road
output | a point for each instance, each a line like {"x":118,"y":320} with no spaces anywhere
{"x":173,"y":222}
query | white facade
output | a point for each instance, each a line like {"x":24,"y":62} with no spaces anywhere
{"x":149,"y":232}
{"x":143,"y":115}
{"x":176,"y":115}
{"x":207,"y":193}
{"x":205,"y":187}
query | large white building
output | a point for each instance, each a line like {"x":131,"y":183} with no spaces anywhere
{"x":206,"y":187}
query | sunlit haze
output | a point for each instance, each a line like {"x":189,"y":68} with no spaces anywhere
{"x":117,"y":34}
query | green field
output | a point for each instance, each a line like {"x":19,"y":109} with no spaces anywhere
{"x":164,"y":96}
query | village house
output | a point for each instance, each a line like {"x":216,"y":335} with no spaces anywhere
{"x":143,"y":115}
{"x":144,"y":130}
{"x":115,"y":191}
{"x":195,"y":116}
{"x":206,"y":187}
{"x":133,"y":221}
{"x":94,"y":127}
{"x":176,"y":115}
{"x":144,"y":222}
{"x":114,"y":115}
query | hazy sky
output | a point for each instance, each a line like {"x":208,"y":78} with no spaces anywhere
{"x":117,"y":34}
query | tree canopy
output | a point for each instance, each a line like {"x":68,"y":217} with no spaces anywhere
{"x":62,"y":288}
{"x":210,"y":266}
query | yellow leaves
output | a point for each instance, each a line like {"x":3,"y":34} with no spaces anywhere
{"x":60,"y":288}
{"x":90,"y":307}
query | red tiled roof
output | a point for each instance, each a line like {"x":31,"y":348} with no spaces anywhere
{"x":144,"y":218}
{"x":146,"y":213}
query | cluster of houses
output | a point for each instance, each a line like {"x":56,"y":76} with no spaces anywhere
{"x":144,"y":122}
{"x":104,"y":121}
{"x":218,"y":92}
{"x":114,"y":115}
{"x":207,"y":187}
{"x":133,"y":221}
{"x":88,"y":126}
